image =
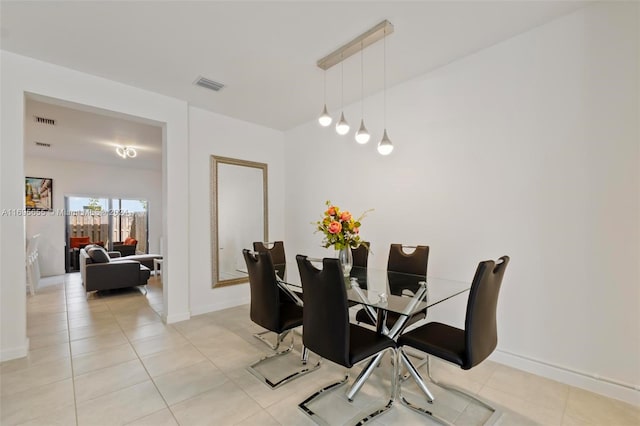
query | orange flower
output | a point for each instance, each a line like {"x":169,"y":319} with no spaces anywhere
{"x":331,"y":211}
{"x":345,"y":216}
{"x":335,"y":227}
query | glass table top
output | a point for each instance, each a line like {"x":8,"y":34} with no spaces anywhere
{"x":391,"y":291}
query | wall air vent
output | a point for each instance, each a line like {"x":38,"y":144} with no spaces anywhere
{"x":44,"y":120}
{"x":208,"y":84}
{"x":43,"y":144}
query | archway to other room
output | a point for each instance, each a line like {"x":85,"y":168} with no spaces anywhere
{"x":98,"y":199}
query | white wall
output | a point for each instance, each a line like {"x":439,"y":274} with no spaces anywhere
{"x":529,"y":148}
{"x":214,"y":134}
{"x":72,"y":178}
{"x":20,"y":75}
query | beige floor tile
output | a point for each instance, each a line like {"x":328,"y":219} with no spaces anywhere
{"x":37,"y":356}
{"x":534,"y":389}
{"x":98,"y":343}
{"x":159,"y":418}
{"x":45,"y":340}
{"x":35,"y":318}
{"x":92,"y":318}
{"x":596,"y":409}
{"x":159,"y":343}
{"x":171,"y":360}
{"x":46,"y":328}
{"x":62,"y":416}
{"x":109,"y":379}
{"x":122,"y":406}
{"x":102,"y":327}
{"x":106,"y":358}
{"x":286,"y":412}
{"x":224,"y":405}
{"x":262,"y":418}
{"x":38,"y":375}
{"x":304,"y":385}
{"x":35,"y":403}
{"x":456,"y":376}
{"x":147,"y":330}
{"x":83,"y":311}
{"x":536,"y":413}
{"x":188,"y":382}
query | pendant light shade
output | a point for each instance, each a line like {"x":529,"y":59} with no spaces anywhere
{"x":342,"y":127}
{"x":385,"y":146}
{"x":325,"y":119}
{"x":362,"y":135}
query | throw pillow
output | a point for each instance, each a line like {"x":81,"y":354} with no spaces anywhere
{"x":98,"y":255}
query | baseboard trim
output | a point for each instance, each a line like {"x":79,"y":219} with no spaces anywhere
{"x":170,"y":319}
{"x":16,"y":352}
{"x":229,"y":303}
{"x":592,"y":382}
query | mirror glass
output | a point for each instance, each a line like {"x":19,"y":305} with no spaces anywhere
{"x":238,"y":215}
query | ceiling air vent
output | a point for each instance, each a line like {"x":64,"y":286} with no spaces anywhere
{"x":208,"y":84}
{"x":42,"y":144}
{"x":44,"y":120}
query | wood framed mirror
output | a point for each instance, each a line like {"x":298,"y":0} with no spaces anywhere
{"x":239,"y":215}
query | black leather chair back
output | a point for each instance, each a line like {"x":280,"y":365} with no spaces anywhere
{"x":277,"y":251}
{"x":361,"y":254}
{"x":265,"y":293}
{"x":412,"y":263}
{"x":325,"y":331}
{"x":481,"y":333}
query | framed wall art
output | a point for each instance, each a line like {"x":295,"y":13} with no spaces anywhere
{"x":38,"y":193}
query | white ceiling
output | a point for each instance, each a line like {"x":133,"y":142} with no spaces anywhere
{"x":83,"y":134}
{"x":264,"y":52}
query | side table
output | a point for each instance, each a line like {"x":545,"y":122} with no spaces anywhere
{"x":157,"y":268}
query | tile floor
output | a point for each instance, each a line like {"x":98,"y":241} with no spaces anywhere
{"x":110,"y":360}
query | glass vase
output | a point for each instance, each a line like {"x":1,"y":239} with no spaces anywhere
{"x":346,"y":258}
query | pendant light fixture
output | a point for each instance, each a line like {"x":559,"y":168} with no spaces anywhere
{"x":342,"y":127}
{"x":362,"y":135}
{"x":384,"y":146}
{"x":338,"y":56}
{"x":325,"y":119}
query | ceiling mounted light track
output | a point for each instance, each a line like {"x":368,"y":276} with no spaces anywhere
{"x":356,"y":45}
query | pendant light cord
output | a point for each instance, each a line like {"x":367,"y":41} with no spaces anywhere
{"x":325,"y":86}
{"x":384,"y":78}
{"x":341,"y":83}
{"x":362,"y":80}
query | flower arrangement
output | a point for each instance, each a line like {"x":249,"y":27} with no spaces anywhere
{"x":339,"y":227}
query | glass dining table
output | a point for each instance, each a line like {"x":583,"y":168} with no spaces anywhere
{"x":379,"y":292}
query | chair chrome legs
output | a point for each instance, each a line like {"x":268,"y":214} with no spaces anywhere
{"x":304,"y":405}
{"x":294,"y":375}
{"x":279,"y":339}
{"x":413,"y":372}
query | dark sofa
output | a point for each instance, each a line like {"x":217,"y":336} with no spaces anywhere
{"x":102,"y":270}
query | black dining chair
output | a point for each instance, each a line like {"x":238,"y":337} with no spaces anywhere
{"x":276,"y":248}
{"x":268,"y":311}
{"x":328,"y":332}
{"x":465,"y":348}
{"x":361,"y":254}
{"x":414,"y":263}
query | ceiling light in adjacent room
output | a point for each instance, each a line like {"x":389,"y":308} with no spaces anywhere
{"x":126,"y":152}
